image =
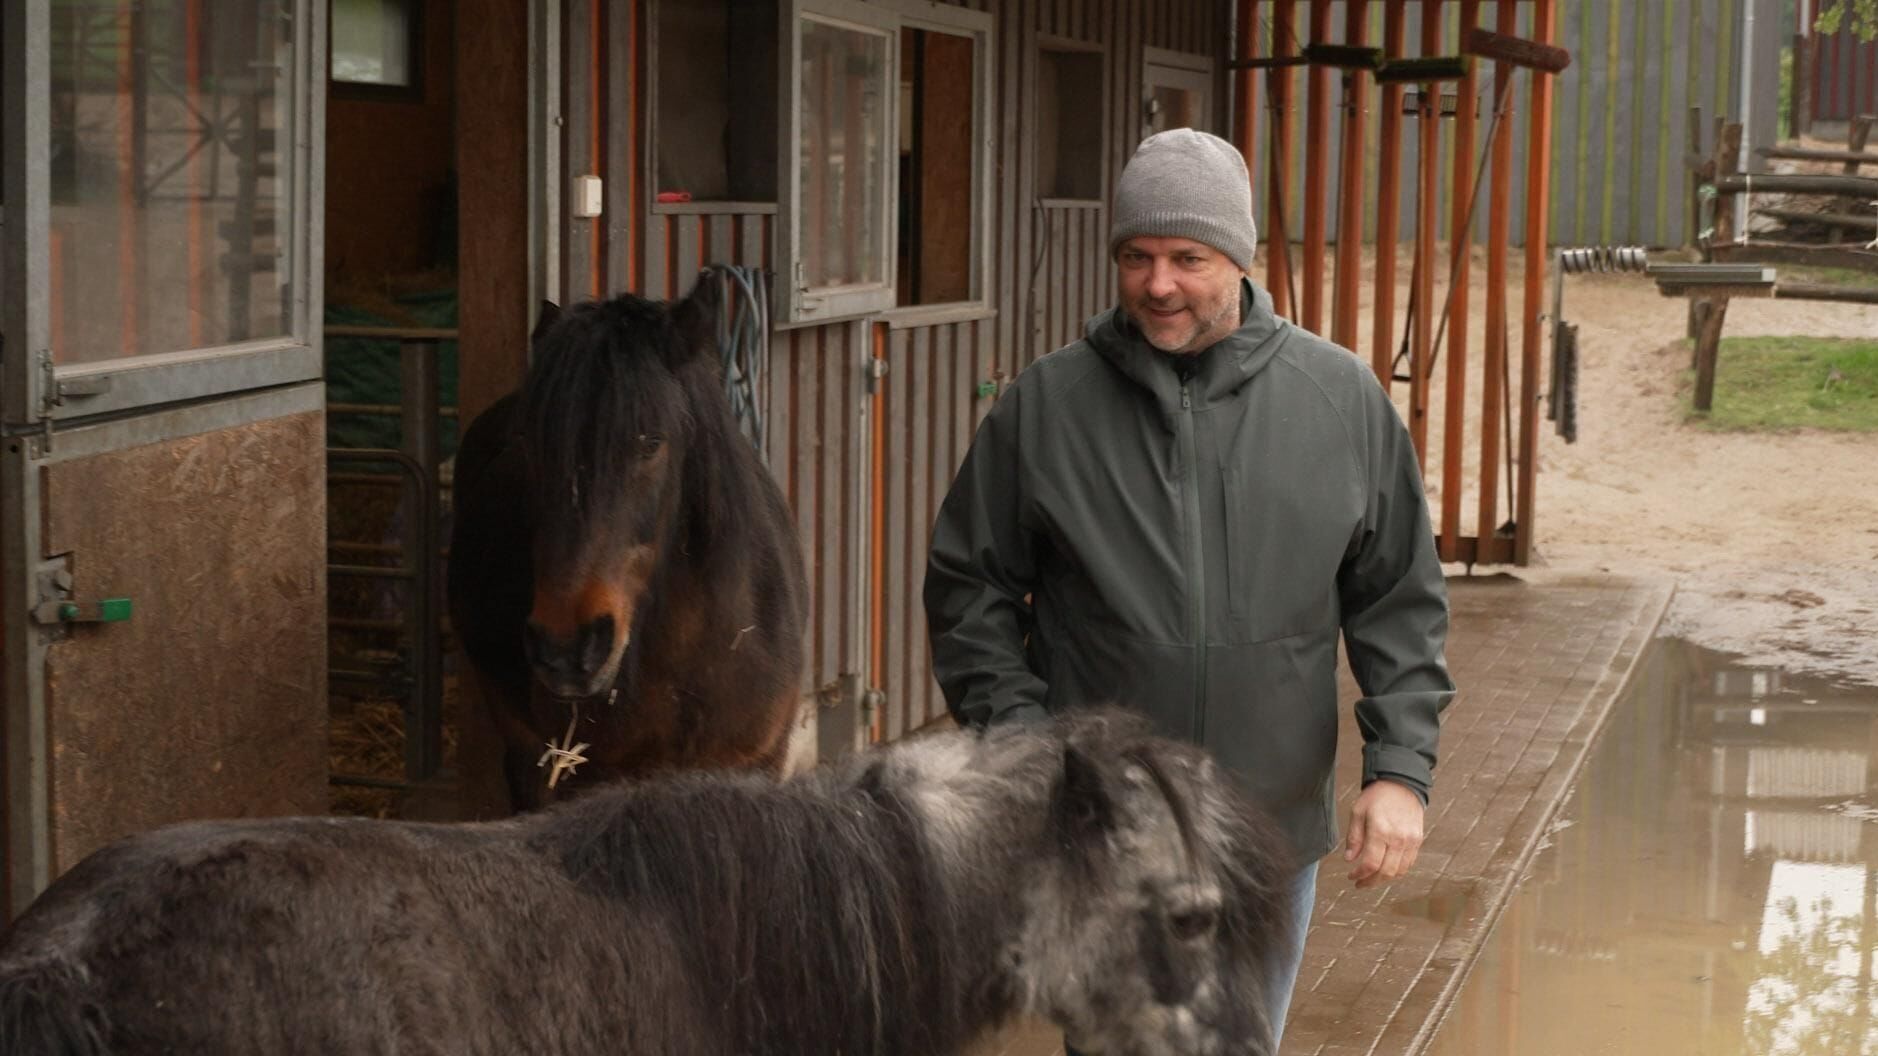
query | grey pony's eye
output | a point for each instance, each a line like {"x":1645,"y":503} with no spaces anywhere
{"x":1194,"y":923}
{"x":649,"y":444}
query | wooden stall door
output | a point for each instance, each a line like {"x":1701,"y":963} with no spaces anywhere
{"x":162,"y":534}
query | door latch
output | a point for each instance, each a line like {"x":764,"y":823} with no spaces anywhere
{"x":57,"y":607}
{"x":108,"y":610}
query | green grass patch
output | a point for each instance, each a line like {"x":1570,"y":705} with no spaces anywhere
{"x":1777,"y":383}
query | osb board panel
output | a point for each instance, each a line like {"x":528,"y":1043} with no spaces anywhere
{"x":211,"y":700}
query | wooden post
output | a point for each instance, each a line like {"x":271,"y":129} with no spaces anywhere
{"x":1245,"y":88}
{"x":1538,"y":203}
{"x":1428,"y":174}
{"x":1350,"y":184}
{"x":1316,"y":173}
{"x":1388,"y":199}
{"x":1499,"y":230}
{"x":1278,"y":277}
{"x":1460,"y":245}
{"x":1707,"y":350}
{"x":1714,"y":310}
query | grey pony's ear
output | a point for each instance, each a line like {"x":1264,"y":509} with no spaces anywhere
{"x":695,"y":319}
{"x":550,"y":313}
{"x":1083,"y":806}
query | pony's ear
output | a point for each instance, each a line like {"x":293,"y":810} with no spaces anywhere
{"x":550,"y":313}
{"x":1083,"y":804}
{"x":695,"y":319}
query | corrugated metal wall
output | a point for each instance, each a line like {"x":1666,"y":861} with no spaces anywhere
{"x":1050,"y":273}
{"x":1845,"y":76}
{"x":1622,"y":117}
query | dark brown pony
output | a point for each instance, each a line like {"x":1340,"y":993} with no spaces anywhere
{"x":624,"y":573}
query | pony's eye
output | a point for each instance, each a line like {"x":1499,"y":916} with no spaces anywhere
{"x":1194,"y":923}
{"x":649,"y":444}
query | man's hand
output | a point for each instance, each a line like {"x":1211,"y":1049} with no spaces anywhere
{"x":1385,"y":833}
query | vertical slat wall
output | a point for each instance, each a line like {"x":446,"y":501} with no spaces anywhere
{"x":1050,"y":273}
{"x":1845,"y":76}
{"x":1450,"y":181}
{"x":1622,"y":109}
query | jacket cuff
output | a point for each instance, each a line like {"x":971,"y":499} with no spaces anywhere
{"x":1404,"y":766}
{"x":1022,"y":714}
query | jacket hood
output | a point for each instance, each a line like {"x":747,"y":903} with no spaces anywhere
{"x":1225,"y":366}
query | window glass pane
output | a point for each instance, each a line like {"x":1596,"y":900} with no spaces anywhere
{"x":171,"y":156}
{"x":938,"y":165}
{"x":717,"y":100}
{"x":843,"y":162}
{"x":1069,"y":144}
{"x":371,"y":42}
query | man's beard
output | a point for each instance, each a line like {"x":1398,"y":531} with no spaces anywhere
{"x":1188,"y":336}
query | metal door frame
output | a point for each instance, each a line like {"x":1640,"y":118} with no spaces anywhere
{"x":150,"y":398}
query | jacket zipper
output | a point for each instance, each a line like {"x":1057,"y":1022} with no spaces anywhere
{"x":1196,"y":557}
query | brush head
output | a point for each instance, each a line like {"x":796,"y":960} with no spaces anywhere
{"x":1343,"y":56}
{"x":1425,"y":71}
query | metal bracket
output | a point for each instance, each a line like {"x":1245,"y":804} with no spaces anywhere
{"x":874,"y":372}
{"x":57,"y":609}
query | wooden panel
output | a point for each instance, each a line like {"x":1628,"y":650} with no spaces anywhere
{"x":826,"y":446}
{"x":625,"y":212}
{"x":492,"y":166}
{"x":580,"y":136}
{"x":904,"y":572}
{"x":1278,"y":273}
{"x":1499,"y":221}
{"x":1389,"y":200}
{"x":1350,"y":186}
{"x":1316,"y":175}
{"x":211,"y":700}
{"x":1538,"y":175}
{"x":1455,"y":303}
{"x":920,"y":490}
{"x":687,"y":235}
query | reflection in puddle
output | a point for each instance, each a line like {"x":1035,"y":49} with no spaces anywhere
{"x":1717,"y":892}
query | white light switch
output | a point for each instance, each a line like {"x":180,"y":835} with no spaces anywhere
{"x":589,"y":196}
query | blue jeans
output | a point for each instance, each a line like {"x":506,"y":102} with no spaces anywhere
{"x":1281,"y":971}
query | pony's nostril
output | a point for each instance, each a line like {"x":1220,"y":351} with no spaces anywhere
{"x":596,"y":644}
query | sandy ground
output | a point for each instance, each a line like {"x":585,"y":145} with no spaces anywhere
{"x":1771,"y":539}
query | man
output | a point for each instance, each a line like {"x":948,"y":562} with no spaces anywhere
{"x":1180,"y":511}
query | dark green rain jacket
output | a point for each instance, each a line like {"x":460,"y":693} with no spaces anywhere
{"x":1191,"y":549}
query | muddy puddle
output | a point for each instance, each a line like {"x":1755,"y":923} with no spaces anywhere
{"x":1711,"y":887}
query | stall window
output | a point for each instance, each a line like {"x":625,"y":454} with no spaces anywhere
{"x":943,"y":164}
{"x":171,"y":175}
{"x":375,"y":45}
{"x":716,"y":101}
{"x":837,"y":212}
{"x":1069,"y":126}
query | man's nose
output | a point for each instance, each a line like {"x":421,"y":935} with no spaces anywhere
{"x":1160,"y":280}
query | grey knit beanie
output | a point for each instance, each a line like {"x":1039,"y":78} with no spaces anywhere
{"x":1187,"y":184}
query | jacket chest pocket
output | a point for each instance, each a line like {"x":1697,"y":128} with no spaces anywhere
{"x":1284,"y":540}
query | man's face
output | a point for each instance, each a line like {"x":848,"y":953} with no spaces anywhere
{"x":1182,"y":295}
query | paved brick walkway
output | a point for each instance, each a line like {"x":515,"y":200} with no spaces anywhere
{"x":1539,"y":666}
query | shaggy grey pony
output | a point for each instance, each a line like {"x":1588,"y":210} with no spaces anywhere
{"x":903,"y":904}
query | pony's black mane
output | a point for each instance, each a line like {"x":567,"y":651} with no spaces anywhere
{"x":870,"y":950}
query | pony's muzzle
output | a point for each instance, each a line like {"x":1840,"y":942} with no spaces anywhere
{"x":576,"y":666}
